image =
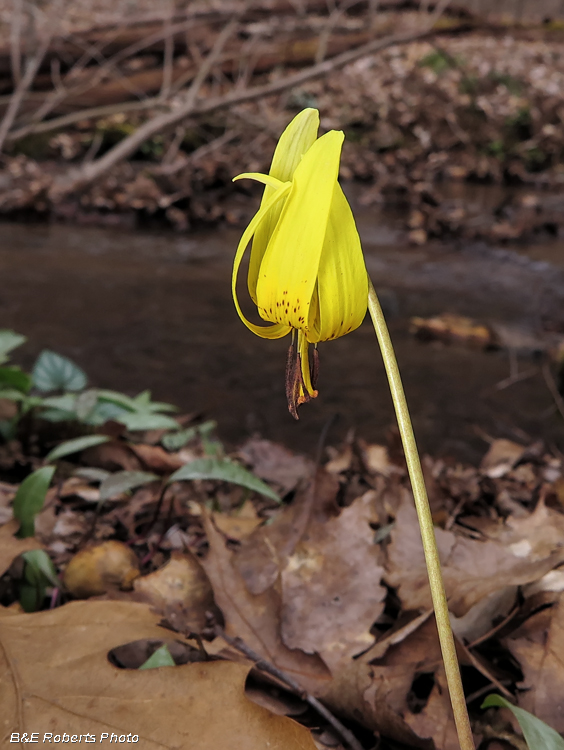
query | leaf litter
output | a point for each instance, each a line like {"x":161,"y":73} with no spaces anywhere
{"x":328,"y":589}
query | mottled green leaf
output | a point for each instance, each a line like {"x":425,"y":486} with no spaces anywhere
{"x":53,"y":372}
{"x":223,"y":470}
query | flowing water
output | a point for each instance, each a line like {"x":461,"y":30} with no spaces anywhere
{"x":144,"y":310}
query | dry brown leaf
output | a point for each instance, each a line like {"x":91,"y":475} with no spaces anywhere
{"x":501,"y":458}
{"x":331,"y":592}
{"x":375,"y":691}
{"x":538,"y":645}
{"x":264,"y":552}
{"x":240,"y":524}
{"x":180,"y":590}
{"x":59,"y":679}
{"x":435,"y":719}
{"x":255,"y":617}
{"x":11,"y":546}
{"x":155,"y":458}
{"x":276,"y":464}
{"x":448,"y":327}
{"x":518,"y":552}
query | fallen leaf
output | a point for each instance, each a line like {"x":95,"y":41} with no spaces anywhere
{"x":255,"y":617}
{"x":11,"y":546}
{"x":59,"y":679}
{"x":180,"y":590}
{"x":375,"y":691}
{"x":331,"y":592}
{"x":538,"y":645}
{"x":501,"y":458}
{"x":518,"y":552}
{"x":276,"y":464}
{"x":155,"y":458}
{"x":449,"y":328}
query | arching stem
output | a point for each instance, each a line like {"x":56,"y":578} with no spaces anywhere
{"x":440,"y":605}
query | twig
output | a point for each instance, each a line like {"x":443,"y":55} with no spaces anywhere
{"x":27,"y":79}
{"x":266,"y":666}
{"x":80,"y":178}
{"x":516,"y":378}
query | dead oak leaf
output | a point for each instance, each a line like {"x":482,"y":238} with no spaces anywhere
{"x":331,"y":592}
{"x":56,"y":677}
{"x":377,"y":691}
{"x":538,"y":645}
{"x":255,"y":618}
{"x":11,"y":546}
{"x":514,"y":554}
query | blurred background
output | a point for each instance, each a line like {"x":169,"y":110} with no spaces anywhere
{"x":123,"y":123}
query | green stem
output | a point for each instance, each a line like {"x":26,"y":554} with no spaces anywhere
{"x":438,"y":596}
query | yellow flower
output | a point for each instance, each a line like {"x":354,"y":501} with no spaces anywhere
{"x":306,"y":270}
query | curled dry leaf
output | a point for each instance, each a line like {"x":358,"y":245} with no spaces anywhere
{"x":60,"y":680}
{"x":98,"y":569}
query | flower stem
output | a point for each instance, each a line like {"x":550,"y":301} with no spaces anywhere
{"x":438,"y":596}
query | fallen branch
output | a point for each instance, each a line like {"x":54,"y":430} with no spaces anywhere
{"x":79,"y":178}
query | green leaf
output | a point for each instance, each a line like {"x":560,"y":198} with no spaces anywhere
{"x":91,"y":474}
{"x":14,"y":377}
{"x":39,"y":572}
{"x":75,"y":446}
{"x":30,"y":497}
{"x":147,"y":421}
{"x":66,"y":402}
{"x":85,"y":404}
{"x":120,"y":399}
{"x":538,"y":735}
{"x":223,"y":470}
{"x":103,"y":411}
{"x":123,"y":481}
{"x":174,"y":441}
{"x":11,"y":394}
{"x":53,"y":372}
{"x":160,"y":658}
{"x":39,"y":562}
{"x":8,"y":341}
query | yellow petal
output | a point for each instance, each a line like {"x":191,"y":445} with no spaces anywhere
{"x":288,"y":272}
{"x":266,"y":332}
{"x":342,"y":283}
{"x":293,"y":144}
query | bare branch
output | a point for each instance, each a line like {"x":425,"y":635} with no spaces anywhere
{"x":27,"y":79}
{"x":80,"y":178}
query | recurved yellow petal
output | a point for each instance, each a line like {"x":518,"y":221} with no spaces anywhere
{"x":288,"y":272}
{"x":276,"y":331}
{"x":293,"y":144}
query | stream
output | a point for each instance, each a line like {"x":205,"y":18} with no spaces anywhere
{"x":142,"y":309}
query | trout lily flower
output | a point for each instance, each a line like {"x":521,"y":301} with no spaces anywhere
{"x":306,"y":269}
